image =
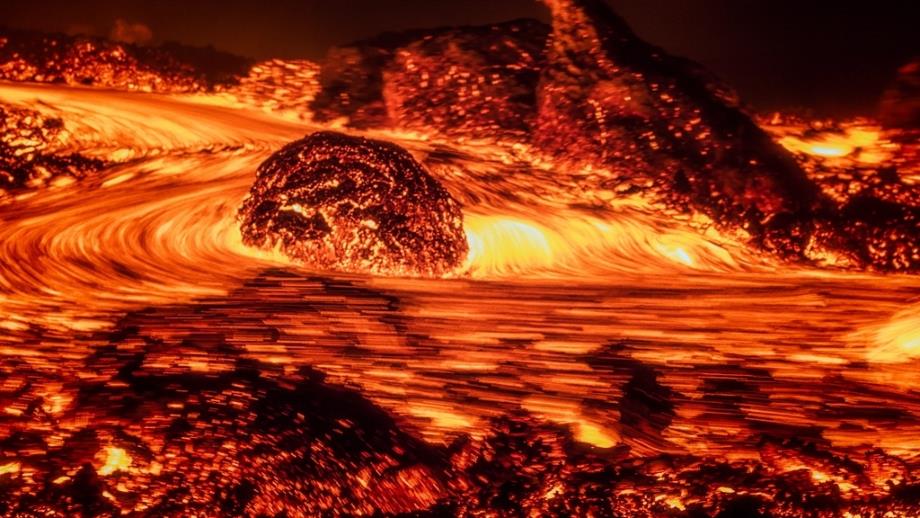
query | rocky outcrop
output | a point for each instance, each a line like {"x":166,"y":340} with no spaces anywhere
{"x":598,"y":96}
{"x":607,"y":98}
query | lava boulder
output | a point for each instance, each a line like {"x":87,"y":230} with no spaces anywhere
{"x":339,"y":202}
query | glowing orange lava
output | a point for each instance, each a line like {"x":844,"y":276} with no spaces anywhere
{"x":576,"y":344}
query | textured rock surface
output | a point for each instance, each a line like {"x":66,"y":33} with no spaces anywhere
{"x":608,"y":98}
{"x":28,"y":154}
{"x":85,"y":60}
{"x":340,"y":202}
{"x":476,"y":81}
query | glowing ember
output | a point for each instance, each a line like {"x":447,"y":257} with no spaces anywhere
{"x":348,"y":203}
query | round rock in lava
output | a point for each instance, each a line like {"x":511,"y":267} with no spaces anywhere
{"x":350,"y":203}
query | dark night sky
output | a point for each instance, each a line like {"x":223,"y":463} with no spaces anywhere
{"x":833,"y":56}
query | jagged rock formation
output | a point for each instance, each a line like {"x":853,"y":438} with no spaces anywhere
{"x":349,"y":203}
{"x":607,"y":97}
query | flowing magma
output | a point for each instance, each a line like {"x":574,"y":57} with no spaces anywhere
{"x":525,"y":323}
{"x":600,"y":350}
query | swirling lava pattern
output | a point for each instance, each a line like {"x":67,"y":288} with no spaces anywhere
{"x":162,"y":223}
{"x":571,"y":291}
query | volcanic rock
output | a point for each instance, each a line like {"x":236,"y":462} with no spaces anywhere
{"x":349,"y":203}
{"x":592,"y":93}
{"x":29,"y":157}
{"x":608,"y":98}
{"x":476,"y":81}
{"x":873,"y":232}
{"x":86,"y":60}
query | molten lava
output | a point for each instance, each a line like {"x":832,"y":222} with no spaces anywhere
{"x":607,"y":291}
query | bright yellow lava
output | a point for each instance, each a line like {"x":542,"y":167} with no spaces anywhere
{"x":10,"y":467}
{"x":898,"y":341}
{"x":117,"y":459}
{"x":858,"y":141}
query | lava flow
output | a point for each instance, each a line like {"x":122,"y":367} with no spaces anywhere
{"x":577,"y":302}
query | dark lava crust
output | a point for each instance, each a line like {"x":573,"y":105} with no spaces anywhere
{"x":606,"y":97}
{"x":477,"y":81}
{"x":349,"y":203}
{"x":93,"y":61}
{"x":27,"y":154}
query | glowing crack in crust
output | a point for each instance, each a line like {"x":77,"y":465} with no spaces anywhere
{"x":347,"y":203}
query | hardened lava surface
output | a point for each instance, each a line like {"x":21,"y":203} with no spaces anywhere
{"x":471,"y":81}
{"x":355,"y":204}
{"x":607,"y":97}
{"x":868,"y":176}
{"x":29,"y":154}
{"x":94,"y":61}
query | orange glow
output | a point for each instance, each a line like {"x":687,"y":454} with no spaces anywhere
{"x":858,"y":141}
{"x":635,"y":330}
{"x":504,"y":244}
{"x":567,"y":413}
{"x":116,"y":459}
{"x":897,"y":341}
{"x":10,"y":467}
